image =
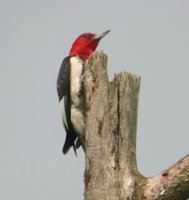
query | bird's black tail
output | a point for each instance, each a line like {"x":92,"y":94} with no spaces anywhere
{"x":69,"y":142}
{"x":80,"y":142}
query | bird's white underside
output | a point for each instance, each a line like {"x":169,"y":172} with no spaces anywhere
{"x":76,"y":65}
{"x":77,"y":118}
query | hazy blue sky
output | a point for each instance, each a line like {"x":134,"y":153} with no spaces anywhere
{"x":149,"y":38}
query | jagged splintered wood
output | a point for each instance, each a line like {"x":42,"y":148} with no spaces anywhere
{"x":111,"y":124}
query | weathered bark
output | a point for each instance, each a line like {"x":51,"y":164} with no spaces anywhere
{"x":111,"y":124}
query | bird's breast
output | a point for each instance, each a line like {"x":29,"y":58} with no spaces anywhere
{"x":75,"y":79}
{"x":77,"y":116}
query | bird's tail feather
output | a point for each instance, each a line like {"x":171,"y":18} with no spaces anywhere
{"x":69,"y":142}
{"x":80,"y":142}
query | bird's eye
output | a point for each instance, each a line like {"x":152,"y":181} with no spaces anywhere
{"x":85,"y":36}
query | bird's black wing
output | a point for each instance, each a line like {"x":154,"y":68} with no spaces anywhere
{"x":63,"y":80}
{"x":63,"y":90}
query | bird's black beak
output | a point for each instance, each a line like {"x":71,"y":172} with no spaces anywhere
{"x":100,"y":35}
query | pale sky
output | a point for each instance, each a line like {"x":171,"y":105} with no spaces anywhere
{"x":148,"y":38}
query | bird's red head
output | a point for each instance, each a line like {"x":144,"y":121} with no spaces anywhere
{"x":86,"y":44}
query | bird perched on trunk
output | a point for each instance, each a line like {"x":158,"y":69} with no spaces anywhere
{"x":69,"y":88}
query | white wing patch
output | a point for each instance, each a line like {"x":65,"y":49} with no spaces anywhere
{"x":62,"y":107}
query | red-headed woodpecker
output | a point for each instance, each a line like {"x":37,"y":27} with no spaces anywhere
{"x":69,"y":88}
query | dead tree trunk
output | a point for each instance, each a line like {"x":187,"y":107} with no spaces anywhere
{"x":111,"y":124}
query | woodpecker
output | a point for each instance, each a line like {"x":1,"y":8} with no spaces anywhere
{"x":69,"y":89}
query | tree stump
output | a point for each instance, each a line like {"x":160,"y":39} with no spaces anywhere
{"x":111,"y":124}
